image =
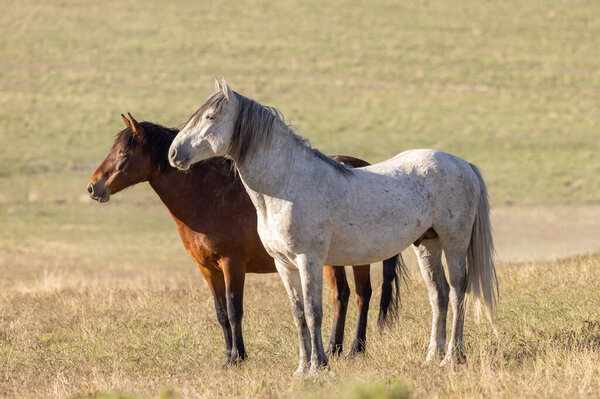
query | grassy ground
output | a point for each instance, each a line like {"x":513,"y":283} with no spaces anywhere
{"x":97,"y":300}
{"x":74,"y":331}
{"x":100,"y":299}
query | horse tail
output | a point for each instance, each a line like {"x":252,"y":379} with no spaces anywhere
{"x":394,"y":270}
{"x":482,"y":282}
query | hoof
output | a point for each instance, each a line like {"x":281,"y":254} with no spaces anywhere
{"x":318,"y":365}
{"x":434,"y":354}
{"x":357,"y":349}
{"x":334,"y":349}
{"x":235,"y":360}
{"x":456,"y":358}
{"x":298,"y":373}
{"x":301,"y":368}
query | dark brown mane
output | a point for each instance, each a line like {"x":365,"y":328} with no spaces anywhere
{"x":156,"y":142}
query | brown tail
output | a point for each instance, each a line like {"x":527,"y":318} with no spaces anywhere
{"x":394,"y":270}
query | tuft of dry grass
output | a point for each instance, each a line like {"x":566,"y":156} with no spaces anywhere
{"x":150,"y":333}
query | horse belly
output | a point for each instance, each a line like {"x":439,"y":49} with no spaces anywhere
{"x":380,"y":216}
{"x":373,"y":242}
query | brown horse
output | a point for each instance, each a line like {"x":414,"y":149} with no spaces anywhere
{"x":217,"y":225}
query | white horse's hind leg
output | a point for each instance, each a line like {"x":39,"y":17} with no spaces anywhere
{"x":429,"y":254}
{"x":456,"y":261}
{"x":291,"y":280}
{"x":311,"y":275}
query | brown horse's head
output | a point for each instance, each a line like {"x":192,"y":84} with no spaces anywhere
{"x":138,"y":154}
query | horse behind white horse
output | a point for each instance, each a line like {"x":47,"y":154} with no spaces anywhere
{"x":314,"y":211}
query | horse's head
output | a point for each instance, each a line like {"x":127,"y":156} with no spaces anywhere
{"x":126,"y":164}
{"x":208,"y":132}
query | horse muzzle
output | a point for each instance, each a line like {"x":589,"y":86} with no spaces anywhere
{"x":98,"y":191}
{"x":178,"y":160}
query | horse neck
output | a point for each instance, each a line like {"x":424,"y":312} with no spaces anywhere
{"x":268,"y":171}
{"x":183,"y":192}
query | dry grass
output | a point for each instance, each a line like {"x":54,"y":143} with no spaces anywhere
{"x":67,"y":332}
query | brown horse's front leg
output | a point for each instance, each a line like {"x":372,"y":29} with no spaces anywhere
{"x":362,"y":281}
{"x":235,"y":274}
{"x":340,"y":292}
{"x":216,"y":283}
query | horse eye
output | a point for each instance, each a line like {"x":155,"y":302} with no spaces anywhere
{"x":121,"y":161}
{"x":210,"y":116}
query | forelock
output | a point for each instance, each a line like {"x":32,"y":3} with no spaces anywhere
{"x":155,"y":142}
{"x":215,"y":102}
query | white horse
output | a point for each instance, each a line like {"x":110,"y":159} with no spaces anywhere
{"x":313,"y":211}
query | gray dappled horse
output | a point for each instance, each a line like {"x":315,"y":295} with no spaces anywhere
{"x":313,"y":211}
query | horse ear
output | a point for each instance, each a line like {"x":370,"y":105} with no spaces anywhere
{"x":226,"y":89}
{"x":217,"y":85}
{"x":127,"y":123}
{"x":138,"y":130}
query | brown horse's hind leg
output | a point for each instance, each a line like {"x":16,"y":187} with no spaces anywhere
{"x":216,"y":283}
{"x":340,"y":292}
{"x":362,"y":281}
{"x":235,"y":274}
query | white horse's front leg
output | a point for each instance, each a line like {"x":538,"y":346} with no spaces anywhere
{"x":311,"y":275}
{"x":291,"y":280}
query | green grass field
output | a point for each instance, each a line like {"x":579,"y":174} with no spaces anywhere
{"x":103,"y":301}
{"x":512,"y":86}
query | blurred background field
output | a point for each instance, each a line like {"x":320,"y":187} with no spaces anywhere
{"x":510,"y":86}
{"x":513,"y":87}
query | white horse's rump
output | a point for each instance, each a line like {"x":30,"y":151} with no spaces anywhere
{"x":312,"y":210}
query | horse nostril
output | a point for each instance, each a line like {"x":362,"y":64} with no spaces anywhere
{"x":172,"y":153}
{"x":90,"y":188}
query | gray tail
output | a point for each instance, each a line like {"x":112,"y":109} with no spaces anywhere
{"x":482,"y":283}
{"x":394,"y":271}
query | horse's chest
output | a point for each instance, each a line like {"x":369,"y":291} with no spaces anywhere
{"x":278,"y":249}
{"x":276,"y":238}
